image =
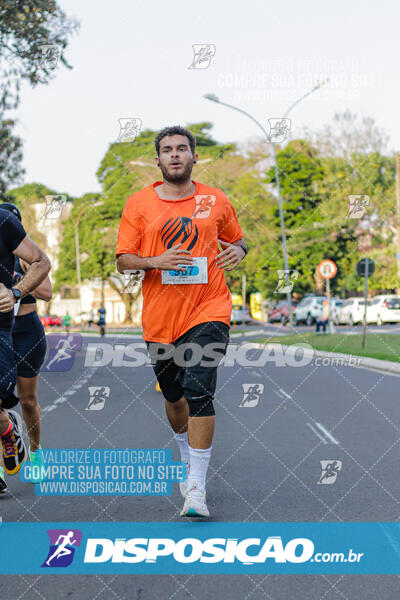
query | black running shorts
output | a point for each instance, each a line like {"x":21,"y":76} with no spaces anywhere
{"x":189,"y":367}
{"x":29,"y":342}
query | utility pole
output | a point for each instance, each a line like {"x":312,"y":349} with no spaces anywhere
{"x":397,"y":223}
{"x":244,"y":290}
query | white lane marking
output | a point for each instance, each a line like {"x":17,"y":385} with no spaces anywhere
{"x":60,"y":400}
{"x":257,"y":332}
{"x":288,"y":396}
{"x":279,"y":394}
{"x":327,"y":433}
{"x":256,"y":373}
{"x":73,"y":389}
{"x":323,"y":440}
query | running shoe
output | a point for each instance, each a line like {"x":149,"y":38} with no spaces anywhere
{"x":183,"y":484}
{"x":37,"y":466}
{"x":195,"y":502}
{"x":13,"y":445}
{"x":3,"y":485}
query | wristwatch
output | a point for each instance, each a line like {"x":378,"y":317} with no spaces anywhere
{"x":244,"y":249}
{"x":17,"y":294}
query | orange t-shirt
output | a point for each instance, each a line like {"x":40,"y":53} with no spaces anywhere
{"x":149,"y":226}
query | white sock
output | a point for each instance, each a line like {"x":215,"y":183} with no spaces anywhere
{"x":183,"y":444}
{"x":199,"y":460}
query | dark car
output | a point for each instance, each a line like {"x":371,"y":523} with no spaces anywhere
{"x":280,"y":312}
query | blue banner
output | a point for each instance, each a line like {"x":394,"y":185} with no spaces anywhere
{"x":200,"y":547}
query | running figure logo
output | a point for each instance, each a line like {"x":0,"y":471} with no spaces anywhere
{"x":62,"y":547}
{"x":128,"y":130}
{"x":251,"y":394}
{"x":203,"y":54}
{"x":50,"y":56}
{"x":278,"y":130}
{"x":357,"y":205}
{"x":132,"y":280}
{"x":62,"y":351}
{"x":98,"y":396}
{"x":286,"y":279}
{"x":204,"y":204}
{"x":54,"y":206}
{"x":330,"y":471}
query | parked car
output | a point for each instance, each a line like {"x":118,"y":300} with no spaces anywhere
{"x":336,"y":305}
{"x":308,"y":310}
{"x":240,"y":314}
{"x":280,"y":312}
{"x":50,"y":321}
{"x":384,"y":309}
{"x":351,"y":312}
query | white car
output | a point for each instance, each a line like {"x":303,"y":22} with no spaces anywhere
{"x":308,"y":310}
{"x":240,"y":314}
{"x":336,"y":305}
{"x":384,"y":309}
{"x":351,"y":312}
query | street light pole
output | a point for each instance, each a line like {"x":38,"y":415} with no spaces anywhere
{"x":78,"y":266}
{"x":214,"y":98}
{"x":77,"y":250}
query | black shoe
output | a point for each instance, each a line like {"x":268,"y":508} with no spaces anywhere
{"x":13,"y":445}
{"x":9,"y":402}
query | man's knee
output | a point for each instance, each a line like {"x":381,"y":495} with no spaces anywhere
{"x":201,"y":406}
{"x":28,"y":401}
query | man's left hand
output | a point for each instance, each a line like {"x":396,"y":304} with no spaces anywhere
{"x":7,"y":300}
{"x":229,"y":258}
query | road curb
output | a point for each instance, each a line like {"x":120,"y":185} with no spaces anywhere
{"x":363,"y":362}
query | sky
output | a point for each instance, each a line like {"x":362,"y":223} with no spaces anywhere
{"x":132,"y":59}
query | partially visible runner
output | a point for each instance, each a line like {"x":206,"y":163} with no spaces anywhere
{"x":91,"y":318}
{"x":14,"y":242}
{"x":171,"y":229}
{"x":102,"y":320}
{"x":29,"y":342}
{"x":67,"y":322}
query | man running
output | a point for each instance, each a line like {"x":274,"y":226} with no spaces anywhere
{"x":14,"y":242}
{"x":29,"y":342}
{"x":171,"y":231}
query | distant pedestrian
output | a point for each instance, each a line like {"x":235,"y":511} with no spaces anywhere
{"x":67,"y":322}
{"x":324,"y":318}
{"x":102,"y":320}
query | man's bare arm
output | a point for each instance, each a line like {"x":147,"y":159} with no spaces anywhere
{"x":38,"y":262}
{"x":44,"y":291}
{"x":170,"y":259}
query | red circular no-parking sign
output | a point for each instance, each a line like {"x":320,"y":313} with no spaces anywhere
{"x":327,"y":269}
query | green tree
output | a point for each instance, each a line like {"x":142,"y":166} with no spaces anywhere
{"x":26,"y":27}
{"x":10,"y":156}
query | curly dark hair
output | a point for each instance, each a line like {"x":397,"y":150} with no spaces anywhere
{"x":175,"y":130}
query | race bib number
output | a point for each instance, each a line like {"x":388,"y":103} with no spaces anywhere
{"x":194,"y":273}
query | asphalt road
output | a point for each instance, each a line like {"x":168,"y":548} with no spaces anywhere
{"x":265,"y":467}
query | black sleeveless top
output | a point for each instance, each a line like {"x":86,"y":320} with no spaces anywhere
{"x":28,"y":299}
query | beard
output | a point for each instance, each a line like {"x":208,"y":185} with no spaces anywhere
{"x":177,"y":177}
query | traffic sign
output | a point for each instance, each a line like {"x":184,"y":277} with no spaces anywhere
{"x":365,"y":266}
{"x":327,"y":269}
